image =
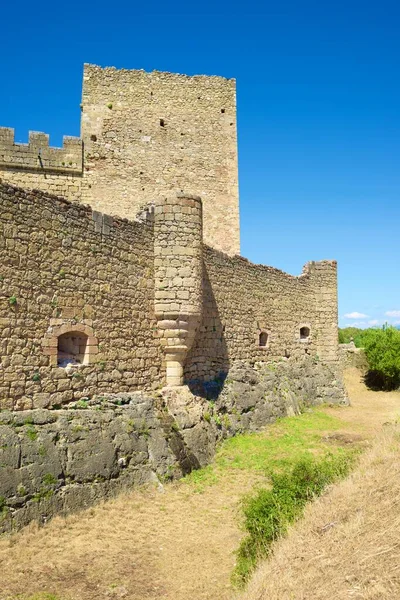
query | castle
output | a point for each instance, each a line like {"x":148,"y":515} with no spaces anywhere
{"x":120,"y":266}
{"x":122,"y":293}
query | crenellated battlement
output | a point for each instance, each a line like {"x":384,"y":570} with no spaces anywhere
{"x":38,"y":156}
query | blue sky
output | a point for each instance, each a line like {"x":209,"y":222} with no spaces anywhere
{"x":318,"y":93}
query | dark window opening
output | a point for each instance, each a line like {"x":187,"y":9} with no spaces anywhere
{"x":263,"y":339}
{"x":72,"y":349}
{"x":304,"y":333}
{"x":162,"y":122}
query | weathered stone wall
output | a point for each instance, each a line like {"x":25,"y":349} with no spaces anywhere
{"x":178,"y":265}
{"x":144,"y":136}
{"x":241,"y":300}
{"x":350,"y":356}
{"x":37,"y":166}
{"x":149,"y":135}
{"x":57,"y":461}
{"x":67,"y":268}
{"x":147,"y":297}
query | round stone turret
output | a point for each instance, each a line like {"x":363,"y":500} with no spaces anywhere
{"x":178,"y":262}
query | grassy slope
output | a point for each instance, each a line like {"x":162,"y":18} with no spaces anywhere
{"x":276,"y":448}
{"x":348,"y":544}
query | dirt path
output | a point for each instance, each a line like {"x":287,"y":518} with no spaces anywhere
{"x":369,"y":410}
{"x":148,"y":545}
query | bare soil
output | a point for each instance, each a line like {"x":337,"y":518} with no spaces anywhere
{"x":171,"y":544}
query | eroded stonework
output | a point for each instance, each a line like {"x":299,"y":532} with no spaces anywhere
{"x":57,"y":461}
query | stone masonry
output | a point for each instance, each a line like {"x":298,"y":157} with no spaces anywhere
{"x":58,"y":461}
{"x":90,"y":302}
{"x":144,"y":136}
{"x":133,"y":337}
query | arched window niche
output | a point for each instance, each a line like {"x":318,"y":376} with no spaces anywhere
{"x":304,"y":333}
{"x":70,"y":345}
{"x":72,"y":349}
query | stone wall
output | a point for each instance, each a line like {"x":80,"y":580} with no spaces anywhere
{"x":57,"y":461}
{"x":350,"y":356}
{"x":242,"y":300}
{"x":135,"y":302}
{"x":65,"y":268}
{"x":37,"y":166}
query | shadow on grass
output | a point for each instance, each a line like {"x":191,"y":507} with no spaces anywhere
{"x":378,"y":382}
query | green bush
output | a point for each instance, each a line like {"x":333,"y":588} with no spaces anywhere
{"x":268,"y":514}
{"x":382,"y":349}
{"x":353,"y":333}
{"x":347,"y":334}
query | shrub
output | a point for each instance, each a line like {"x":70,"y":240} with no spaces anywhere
{"x":353,"y":333}
{"x":382,"y":349}
{"x":269,"y":512}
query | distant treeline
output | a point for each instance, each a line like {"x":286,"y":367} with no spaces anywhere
{"x":382,"y":349}
{"x":348,"y":334}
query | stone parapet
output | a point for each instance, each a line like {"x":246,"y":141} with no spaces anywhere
{"x":37,"y":155}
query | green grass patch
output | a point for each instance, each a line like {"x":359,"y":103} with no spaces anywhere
{"x":269,"y":512}
{"x":278,"y":447}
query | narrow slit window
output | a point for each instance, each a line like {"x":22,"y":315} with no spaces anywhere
{"x":263,"y":339}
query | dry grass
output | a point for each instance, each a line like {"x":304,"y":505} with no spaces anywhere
{"x":348,"y":544}
{"x":143,"y":545}
{"x":179,"y":545}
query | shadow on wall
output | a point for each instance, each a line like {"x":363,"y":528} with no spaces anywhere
{"x":207,"y":363}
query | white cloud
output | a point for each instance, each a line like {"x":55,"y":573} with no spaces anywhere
{"x":392,"y":313}
{"x":357,"y":315}
{"x":373,"y":322}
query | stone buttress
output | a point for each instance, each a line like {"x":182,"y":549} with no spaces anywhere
{"x":178,"y":270}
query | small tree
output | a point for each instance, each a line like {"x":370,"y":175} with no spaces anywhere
{"x":382,"y":349}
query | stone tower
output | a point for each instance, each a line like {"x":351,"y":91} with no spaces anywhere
{"x":144,"y":136}
{"x":152,"y":135}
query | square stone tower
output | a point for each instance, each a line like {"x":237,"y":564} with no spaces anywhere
{"x":150,"y":135}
